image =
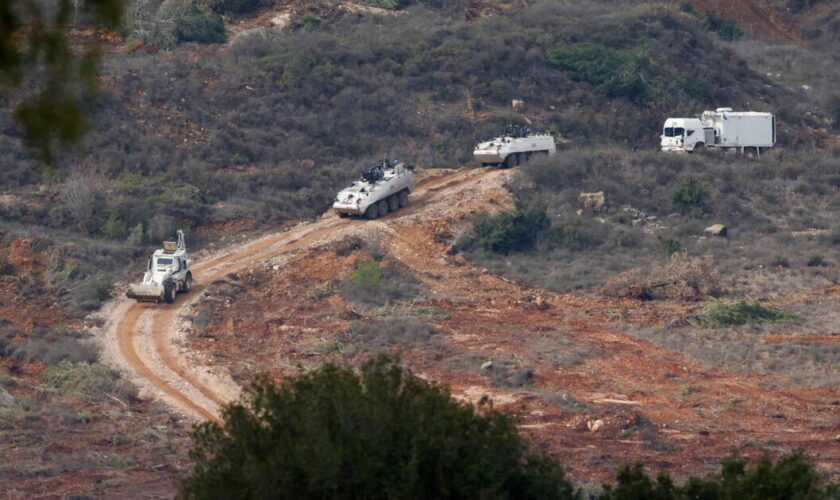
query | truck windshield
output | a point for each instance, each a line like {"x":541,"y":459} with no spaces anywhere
{"x":674,"y":132}
{"x":164,"y":261}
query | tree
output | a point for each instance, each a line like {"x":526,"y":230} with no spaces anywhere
{"x":34,"y":53}
{"x":381,"y":433}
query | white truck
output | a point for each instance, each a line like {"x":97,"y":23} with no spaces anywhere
{"x":383,"y":188}
{"x":168,"y":271}
{"x":514,"y":147}
{"x":722,"y":128}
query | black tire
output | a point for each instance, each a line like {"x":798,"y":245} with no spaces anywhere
{"x":383,"y":207}
{"x":393,"y":203}
{"x":508,"y":162}
{"x":343,"y":215}
{"x":169,"y":294}
{"x":518,"y":159}
{"x":699,"y":148}
{"x":403,"y":196}
{"x":372,"y":212}
{"x":187,"y":283}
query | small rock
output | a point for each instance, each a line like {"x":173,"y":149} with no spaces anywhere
{"x":717,"y":230}
{"x":487,"y":365}
{"x":704,"y":433}
{"x":593,"y":426}
{"x":837,"y":437}
{"x":6,"y":399}
{"x":518,"y":104}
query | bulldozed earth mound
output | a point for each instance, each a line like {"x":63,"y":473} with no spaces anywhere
{"x":342,"y":291}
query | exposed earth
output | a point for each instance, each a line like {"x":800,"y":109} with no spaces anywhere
{"x":589,"y":394}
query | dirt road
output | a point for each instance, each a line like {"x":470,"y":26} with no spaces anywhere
{"x":143,"y":339}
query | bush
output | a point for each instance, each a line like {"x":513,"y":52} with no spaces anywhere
{"x":614,"y":73}
{"x":792,"y":476}
{"x":381,"y":433}
{"x":510,"y":231}
{"x":367,"y":275}
{"x":690,"y":196}
{"x":726,"y":29}
{"x":234,"y":6}
{"x":201,"y":27}
{"x":88,"y":380}
{"x":392,"y":330}
{"x":740,"y":312}
{"x":373,"y":284}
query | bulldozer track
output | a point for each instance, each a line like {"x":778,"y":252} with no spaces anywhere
{"x":144,"y":333}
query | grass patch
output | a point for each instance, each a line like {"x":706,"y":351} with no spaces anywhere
{"x":741,"y":312}
{"x":87,"y":380}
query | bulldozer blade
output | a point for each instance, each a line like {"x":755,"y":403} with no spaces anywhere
{"x":145,"y":293}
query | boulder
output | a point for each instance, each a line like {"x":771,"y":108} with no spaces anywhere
{"x":716,"y":230}
{"x":518,"y":104}
{"x":591,"y":201}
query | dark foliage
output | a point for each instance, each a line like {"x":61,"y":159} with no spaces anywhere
{"x":382,"y":433}
{"x":790,"y":477}
{"x":510,"y":231}
{"x":201,"y":27}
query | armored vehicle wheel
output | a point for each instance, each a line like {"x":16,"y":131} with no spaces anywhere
{"x":383,"y":207}
{"x":187,"y":283}
{"x":393,"y":202}
{"x":169,"y":294}
{"x":372,"y":212}
{"x":403,"y":195}
{"x":343,"y":215}
{"x":508,"y":162}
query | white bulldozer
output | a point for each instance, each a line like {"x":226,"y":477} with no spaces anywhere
{"x":514,"y":147}
{"x":169,"y":271}
{"x":383,"y":188}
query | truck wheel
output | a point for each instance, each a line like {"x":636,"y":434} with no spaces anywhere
{"x":508,"y":162}
{"x":372,"y":212}
{"x":188,"y":283}
{"x":699,"y":148}
{"x":403,"y":198}
{"x":169,"y":294}
{"x":393,"y":203}
{"x":383,"y":207}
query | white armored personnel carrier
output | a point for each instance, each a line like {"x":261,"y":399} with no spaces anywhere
{"x":383,"y":188}
{"x":169,"y":271}
{"x":514,"y":147}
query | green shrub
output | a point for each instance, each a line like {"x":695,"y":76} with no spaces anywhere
{"x":201,"y":27}
{"x":370,"y":283}
{"x":380,"y":433}
{"x":614,"y":73}
{"x":367,"y":274}
{"x":690,"y":196}
{"x":726,"y":29}
{"x":511,"y":231}
{"x":114,"y":227}
{"x":740,"y":312}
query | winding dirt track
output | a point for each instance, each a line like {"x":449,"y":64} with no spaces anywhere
{"x":143,"y":333}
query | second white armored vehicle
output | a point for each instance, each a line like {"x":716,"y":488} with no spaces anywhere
{"x":169,"y":271}
{"x":383,"y":188}
{"x":514,"y":147}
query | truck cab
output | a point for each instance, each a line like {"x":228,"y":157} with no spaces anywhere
{"x":682,"y":134}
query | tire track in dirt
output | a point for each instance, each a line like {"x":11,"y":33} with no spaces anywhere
{"x":147,"y":351}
